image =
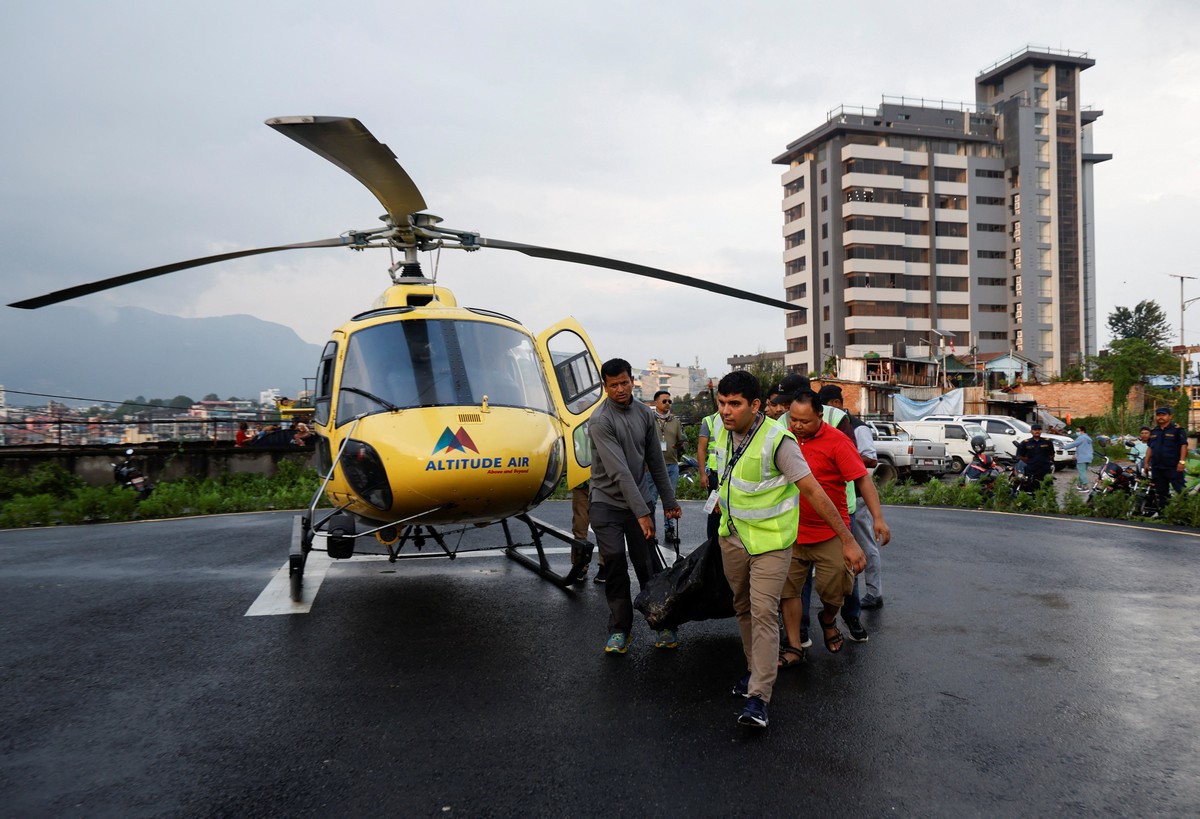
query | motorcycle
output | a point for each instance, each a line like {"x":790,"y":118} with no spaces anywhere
{"x":128,"y":475}
{"x":983,"y":469}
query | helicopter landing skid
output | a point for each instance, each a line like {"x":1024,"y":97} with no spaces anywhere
{"x":537,"y":528}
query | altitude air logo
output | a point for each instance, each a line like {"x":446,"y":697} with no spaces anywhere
{"x":460,"y":442}
{"x":456,"y":442}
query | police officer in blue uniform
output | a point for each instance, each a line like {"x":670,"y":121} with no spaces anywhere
{"x":1037,"y":453}
{"x":1167,"y":458}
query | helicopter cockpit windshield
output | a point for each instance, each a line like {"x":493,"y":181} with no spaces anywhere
{"x":437,"y":363}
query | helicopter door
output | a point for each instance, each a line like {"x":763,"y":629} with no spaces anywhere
{"x":573,"y":371}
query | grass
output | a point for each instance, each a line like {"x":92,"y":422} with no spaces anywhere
{"x":51,"y":496}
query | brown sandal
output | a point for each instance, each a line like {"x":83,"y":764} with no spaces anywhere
{"x":833,"y":642}
{"x":789,"y":662}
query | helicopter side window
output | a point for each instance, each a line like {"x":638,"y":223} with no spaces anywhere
{"x":324,"y":386}
{"x":422,"y":363}
{"x":578,"y":379}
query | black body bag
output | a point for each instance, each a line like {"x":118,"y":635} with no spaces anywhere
{"x":694,"y":588}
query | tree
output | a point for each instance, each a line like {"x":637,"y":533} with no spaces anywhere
{"x":1146,"y":321}
{"x":768,"y":372}
{"x":180,"y":402}
{"x":1127,"y":361}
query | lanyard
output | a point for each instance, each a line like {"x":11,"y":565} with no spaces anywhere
{"x":741,"y":448}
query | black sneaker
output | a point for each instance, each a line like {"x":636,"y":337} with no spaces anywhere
{"x":857,"y":633}
{"x":755,"y":713}
{"x":599,"y":578}
{"x":741,"y":688}
{"x":871,"y":602}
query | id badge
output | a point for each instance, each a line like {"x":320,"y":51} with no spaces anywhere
{"x":663,"y":444}
{"x":711,"y":503}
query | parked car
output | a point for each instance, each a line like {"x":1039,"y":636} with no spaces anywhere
{"x":900,"y":454}
{"x":1007,"y":432}
{"x":956,"y":435}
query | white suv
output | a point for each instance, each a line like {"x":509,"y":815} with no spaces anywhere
{"x":1007,"y":432}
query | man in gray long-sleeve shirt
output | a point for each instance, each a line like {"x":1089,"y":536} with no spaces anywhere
{"x":624,"y":444}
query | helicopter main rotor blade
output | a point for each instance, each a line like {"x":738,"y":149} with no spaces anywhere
{"x":347,"y":143}
{"x":141,"y":275}
{"x":637,"y":269}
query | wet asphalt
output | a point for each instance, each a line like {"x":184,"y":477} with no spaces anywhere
{"x":1020,"y":666}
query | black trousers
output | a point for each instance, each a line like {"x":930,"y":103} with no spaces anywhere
{"x":617,"y":530}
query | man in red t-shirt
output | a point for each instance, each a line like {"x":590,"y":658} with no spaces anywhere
{"x":834,"y":461}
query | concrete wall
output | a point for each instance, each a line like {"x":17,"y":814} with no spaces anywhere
{"x":166,"y":463}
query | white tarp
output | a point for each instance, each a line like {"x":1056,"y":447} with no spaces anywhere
{"x":906,"y":409}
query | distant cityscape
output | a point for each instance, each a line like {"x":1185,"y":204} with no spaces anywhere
{"x":57,"y":424}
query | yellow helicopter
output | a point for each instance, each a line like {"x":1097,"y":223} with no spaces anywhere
{"x":429,"y":413}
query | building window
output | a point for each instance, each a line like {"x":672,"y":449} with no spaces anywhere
{"x":989,"y":200}
{"x":797,"y":291}
{"x":884,"y":167}
{"x":794,"y":239}
{"x":798,"y":345}
{"x":985,"y":173}
{"x":958,"y":229}
{"x":993,"y":308}
{"x":797,"y":319}
{"x":988,"y":227}
{"x":824,"y":230}
{"x":792,"y":214}
{"x":941,"y":174}
{"x":824,"y":203}
{"x":992,"y":281}
{"x":793,"y":187}
{"x":990,"y":254}
{"x":796,"y":266}
{"x":824,"y":175}
{"x":892,"y":253}
{"x":824,"y":258}
{"x":948,"y":202}
{"x":947,"y":256}
{"x":827,"y":341}
{"x":824,"y":285}
{"x":953,"y":311}
{"x":953,"y":284}
{"x":825,"y":313}
{"x":991,"y":335}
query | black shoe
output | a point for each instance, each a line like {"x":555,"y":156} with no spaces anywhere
{"x":871,"y":602}
{"x":857,"y":633}
{"x":755,"y":713}
{"x":741,"y":688}
{"x":600,"y":575}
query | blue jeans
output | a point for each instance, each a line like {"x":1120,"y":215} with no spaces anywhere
{"x":862,"y":526}
{"x":650,"y":491}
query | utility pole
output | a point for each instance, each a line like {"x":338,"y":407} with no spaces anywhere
{"x":1182,"y":306}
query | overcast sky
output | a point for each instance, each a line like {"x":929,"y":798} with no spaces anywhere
{"x":134,"y":137}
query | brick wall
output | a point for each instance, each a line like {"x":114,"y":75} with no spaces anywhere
{"x":1080,"y":398}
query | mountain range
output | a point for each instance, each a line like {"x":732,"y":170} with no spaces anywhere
{"x":70,"y":351}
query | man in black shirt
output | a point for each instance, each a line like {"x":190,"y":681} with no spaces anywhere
{"x":1037,"y":454}
{"x":1167,"y":458}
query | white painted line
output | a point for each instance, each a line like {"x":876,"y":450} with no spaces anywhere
{"x":276,"y":598}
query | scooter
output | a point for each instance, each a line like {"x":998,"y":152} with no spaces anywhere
{"x":127,"y":474}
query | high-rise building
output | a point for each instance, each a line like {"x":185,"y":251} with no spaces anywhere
{"x":925,"y":223}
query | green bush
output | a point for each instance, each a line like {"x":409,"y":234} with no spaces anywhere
{"x":29,"y":510}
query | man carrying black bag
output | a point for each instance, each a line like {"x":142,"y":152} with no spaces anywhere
{"x":761,"y":478}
